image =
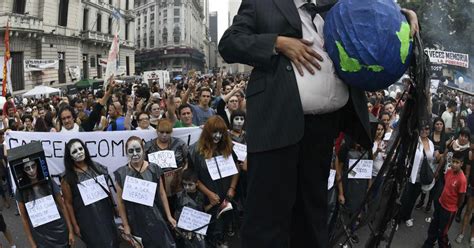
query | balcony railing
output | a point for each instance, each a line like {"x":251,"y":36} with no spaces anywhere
{"x":22,"y":22}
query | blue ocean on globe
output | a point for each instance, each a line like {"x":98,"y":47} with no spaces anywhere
{"x":368,"y":41}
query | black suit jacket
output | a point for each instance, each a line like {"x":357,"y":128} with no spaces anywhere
{"x":275,"y":116}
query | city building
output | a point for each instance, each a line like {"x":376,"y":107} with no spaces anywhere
{"x":213,"y":32}
{"x":171,"y":35}
{"x":58,"y":42}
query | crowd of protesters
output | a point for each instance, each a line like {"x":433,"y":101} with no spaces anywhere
{"x":217,"y":104}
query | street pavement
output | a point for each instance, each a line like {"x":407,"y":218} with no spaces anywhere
{"x":406,"y":237}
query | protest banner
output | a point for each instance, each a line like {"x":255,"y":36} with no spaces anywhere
{"x":240,"y":150}
{"x":191,"y":219}
{"x":42,"y":211}
{"x":448,"y":58}
{"x":106,"y":148}
{"x":40,"y":64}
{"x":91,"y":191}
{"x":164,"y":159}
{"x":220,"y":167}
{"x":139,"y":191}
{"x":363,"y":169}
{"x":332,"y":177}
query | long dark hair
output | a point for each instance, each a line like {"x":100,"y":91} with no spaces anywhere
{"x":434,"y":126}
{"x":70,"y":174}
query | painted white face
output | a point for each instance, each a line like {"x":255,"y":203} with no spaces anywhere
{"x":238,"y":122}
{"x":31,"y":169}
{"x":216,"y":137}
{"x":77,"y":152}
{"x":134,"y":151}
{"x":189,"y":186}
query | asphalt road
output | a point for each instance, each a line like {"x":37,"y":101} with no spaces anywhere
{"x":405,"y":237}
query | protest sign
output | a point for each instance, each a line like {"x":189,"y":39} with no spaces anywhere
{"x":164,"y":159}
{"x":191,"y":219}
{"x":363,"y":169}
{"x":172,"y":181}
{"x":240,"y":150}
{"x":106,"y":148}
{"x":220,"y":167}
{"x":139,"y":191}
{"x":332,"y":177}
{"x":91,"y":191}
{"x":42,"y":211}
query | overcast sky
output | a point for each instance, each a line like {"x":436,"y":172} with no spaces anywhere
{"x":221,"y":6}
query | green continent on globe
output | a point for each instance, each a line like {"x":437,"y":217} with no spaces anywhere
{"x":347,"y":63}
{"x":404,"y":37}
{"x":375,"y":68}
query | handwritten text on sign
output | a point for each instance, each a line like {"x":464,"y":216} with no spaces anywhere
{"x":42,"y":211}
{"x":164,"y":159}
{"x":139,"y":191}
{"x":240,"y":150}
{"x":363,"y":169}
{"x":220,"y":167}
{"x":91,"y":192}
{"x":191,"y":219}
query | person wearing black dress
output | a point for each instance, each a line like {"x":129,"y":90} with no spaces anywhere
{"x":93,"y":222}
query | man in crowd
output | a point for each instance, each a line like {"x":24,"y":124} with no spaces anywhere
{"x":202,"y":111}
{"x":291,"y":157}
{"x":448,"y":116}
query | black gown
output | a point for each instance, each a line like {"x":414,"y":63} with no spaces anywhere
{"x":50,"y":235}
{"x":96,"y":220}
{"x":146,"y":222}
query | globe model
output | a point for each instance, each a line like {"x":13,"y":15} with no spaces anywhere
{"x":368,"y":41}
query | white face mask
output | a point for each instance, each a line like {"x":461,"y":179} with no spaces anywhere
{"x":31,"y":169}
{"x":216,"y":137}
{"x":238,"y":122}
{"x":77,"y":152}
{"x":134,"y":151}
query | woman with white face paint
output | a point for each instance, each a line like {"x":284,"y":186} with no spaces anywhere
{"x":55,"y":234}
{"x":92,"y":219}
{"x":237,"y":127}
{"x":214,"y":141}
{"x":165,"y":142}
{"x":138,"y":219}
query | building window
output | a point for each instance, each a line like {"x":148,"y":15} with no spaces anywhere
{"x":144,"y":19}
{"x":63,"y":9}
{"x":152,"y":8}
{"x":176,"y":12}
{"x":127,"y":2}
{"x":110,"y":2}
{"x":99,"y":22}
{"x":19,"y":6}
{"x":177,"y":2}
{"x":92,"y":62}
{"x":165,"y":13}
{"x":176,"y":20}
{"x":109,"y":26}
{"x":17,"y":72}
{"x":152,"y":16}
{"x":127,"y":24}
{"x":176,"y":35}
{"x":165,"y":35}
{"x":85,"y":21}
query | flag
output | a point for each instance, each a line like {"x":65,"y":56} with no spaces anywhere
{"x":7,"y":63}
{"x":112,"y":62}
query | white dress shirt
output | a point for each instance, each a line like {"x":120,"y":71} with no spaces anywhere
{"x":323,"y":92}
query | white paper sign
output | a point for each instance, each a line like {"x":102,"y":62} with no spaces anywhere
{"x":220,"y":167}
{"x":91,"y":192}
{"x":363,"y":169}
{"x":42,"y":211}
{"x":240,"y":150}
{"x":191,"y":219}
{"x":139,"y":191}
{"x":164,"y":159}
{"x":332,"y":176}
